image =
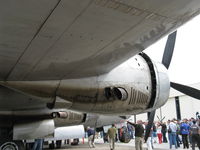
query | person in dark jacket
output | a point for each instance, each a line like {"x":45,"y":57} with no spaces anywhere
{"x":91,"y":134}
{"x":164,"y":130}
{"x":194,"y":130}
{"x":139,"y":134}
{"x":149,"y":141}
{"x":112,"y":136}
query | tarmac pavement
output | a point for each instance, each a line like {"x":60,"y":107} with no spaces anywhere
{"x":99,"y":145}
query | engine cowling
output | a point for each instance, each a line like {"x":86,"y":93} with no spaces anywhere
{"x":69,"y":118}
{"x":39,"y":123}
{"x":33,"y":129}
{"x":136,"y":86}
{"x":139,"y":85}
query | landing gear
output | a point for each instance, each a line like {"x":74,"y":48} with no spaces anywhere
{"x":75,"y":142}
{"x":6,"y":142}
{"x":12,"y":145}
{"x":124,"y":135}
{"x":58,"y":144}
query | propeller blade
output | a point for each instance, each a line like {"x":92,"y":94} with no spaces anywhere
{"x":123,"y":117}
{"x":169,"y":49}
{"x":190,"y":91}
{"x":149,"y":125}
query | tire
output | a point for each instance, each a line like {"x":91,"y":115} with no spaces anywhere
{"x":75,"y":142}
{"x":12,"y":145}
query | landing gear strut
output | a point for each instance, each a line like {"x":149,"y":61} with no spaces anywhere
{"x":6,"y":142}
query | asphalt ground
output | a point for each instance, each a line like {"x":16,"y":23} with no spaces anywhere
{"x":99,"y":145}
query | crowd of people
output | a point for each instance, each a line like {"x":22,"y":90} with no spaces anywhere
{"x":175,"y":132}
{"x":184,"y":132}
{"x":179,"y":132}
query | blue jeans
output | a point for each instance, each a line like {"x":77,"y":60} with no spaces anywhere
{"x":38,"y":145}
{"x":178,"y":140}
{"x":172,"y":139}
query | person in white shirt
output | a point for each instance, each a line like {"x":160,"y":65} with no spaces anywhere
{"x":172,"y":134}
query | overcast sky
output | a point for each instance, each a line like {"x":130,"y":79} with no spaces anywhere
{"x":185,"y":64}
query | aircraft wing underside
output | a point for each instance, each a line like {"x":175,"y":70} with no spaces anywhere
{"x":60,"y":39}
{"x":11,"y":100}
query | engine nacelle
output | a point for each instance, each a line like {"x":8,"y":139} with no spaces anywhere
{"x":33,"y":129}
{"x":69,"y":118}
{"x":103,"y":120}
{"x":39,"y":123}
{"x":136,"y":86}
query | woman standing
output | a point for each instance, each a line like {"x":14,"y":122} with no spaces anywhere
{"x":159,"y":133}
{"x":164,"y":130}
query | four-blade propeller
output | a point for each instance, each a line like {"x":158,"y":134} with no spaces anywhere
{"x":167,"y":56}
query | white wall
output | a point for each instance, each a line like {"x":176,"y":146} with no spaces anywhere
{"x":188,"y":106}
